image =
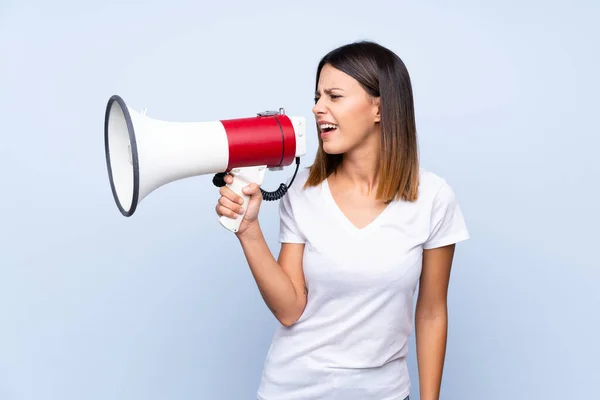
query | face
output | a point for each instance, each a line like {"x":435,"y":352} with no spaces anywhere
{"x":346,"y":115}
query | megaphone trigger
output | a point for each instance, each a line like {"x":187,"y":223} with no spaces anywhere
{"x":241,"y":178}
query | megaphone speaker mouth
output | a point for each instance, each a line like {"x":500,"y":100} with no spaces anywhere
{"x":121,"y":155}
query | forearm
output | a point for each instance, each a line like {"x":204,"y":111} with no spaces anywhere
{"x":431,"y":329}
{"x":274,"y":285}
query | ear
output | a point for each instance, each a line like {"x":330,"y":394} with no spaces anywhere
{"x":377,"y":109}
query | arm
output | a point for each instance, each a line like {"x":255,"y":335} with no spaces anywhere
{"x":281,"y":283}
{"x":431,"y":319}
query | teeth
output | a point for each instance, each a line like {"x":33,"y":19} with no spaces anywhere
{"x":327,"y":126}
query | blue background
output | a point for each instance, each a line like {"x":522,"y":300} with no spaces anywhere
{"x":162,"y":305}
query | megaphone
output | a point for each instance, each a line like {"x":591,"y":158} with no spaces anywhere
{"x":143,"y":154}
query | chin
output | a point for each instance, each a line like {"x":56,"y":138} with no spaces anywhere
{"x":331,"y":148}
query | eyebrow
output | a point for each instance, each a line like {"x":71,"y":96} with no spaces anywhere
{"x":329,"y":90}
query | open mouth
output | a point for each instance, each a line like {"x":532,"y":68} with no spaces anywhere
{"x":327,"y":127}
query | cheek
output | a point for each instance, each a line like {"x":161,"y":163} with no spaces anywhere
{"x":356,"y":118}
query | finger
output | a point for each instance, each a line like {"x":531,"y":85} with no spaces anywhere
{"x":225,"y":202}
{"x":228,"y":179}
{"x":221,"y":211}
{"x":250,"y":189}
{"x":231,"y":195}
{"x":224,"y":211}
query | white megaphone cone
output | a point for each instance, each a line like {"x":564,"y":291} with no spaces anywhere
{"x":143,"y":154}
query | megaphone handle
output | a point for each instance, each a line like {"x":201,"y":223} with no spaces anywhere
{"x":242,"y":177}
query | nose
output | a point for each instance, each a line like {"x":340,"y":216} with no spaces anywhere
{"x":319,"y":108}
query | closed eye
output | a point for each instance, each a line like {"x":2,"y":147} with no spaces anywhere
{"x":333,"y":97}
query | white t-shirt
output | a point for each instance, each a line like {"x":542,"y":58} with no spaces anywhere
{"x":351,"y":341}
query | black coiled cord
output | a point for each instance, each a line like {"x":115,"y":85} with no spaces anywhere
{"x":219,"y":181}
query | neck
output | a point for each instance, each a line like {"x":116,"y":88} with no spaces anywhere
{"x":360,"y":166}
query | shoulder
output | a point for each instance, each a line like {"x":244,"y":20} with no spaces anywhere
{"x":434,"y":190}
{"x":294,"y":206}
{"x":446,"y":221}
{"x":298,"y":198}
{"x":295,"y":187}
{"x":296,"y":183}
{"x":430,"y":183}
{"x":300,"y":178}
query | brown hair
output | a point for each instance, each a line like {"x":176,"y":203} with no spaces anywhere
{"x":382,"y":74}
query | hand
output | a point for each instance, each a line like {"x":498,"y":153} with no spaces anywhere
{"x":230,"y":204}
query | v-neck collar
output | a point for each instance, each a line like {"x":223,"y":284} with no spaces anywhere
{"x":345,"y":220}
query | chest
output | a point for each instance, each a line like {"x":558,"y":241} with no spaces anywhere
{"x":355,"y":250}
{"x":359,"y":212}
{"x":358,"y":209}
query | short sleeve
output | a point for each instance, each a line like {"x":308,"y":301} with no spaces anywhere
{"x":447,"y":222}
{"x":288,"y":228}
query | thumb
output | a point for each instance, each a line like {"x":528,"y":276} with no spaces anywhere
{"x":251,"y":189}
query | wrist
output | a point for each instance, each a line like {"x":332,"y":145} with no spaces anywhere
{"x":252,"y":232}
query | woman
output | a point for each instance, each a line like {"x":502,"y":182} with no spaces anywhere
{"x":359,"y":229}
